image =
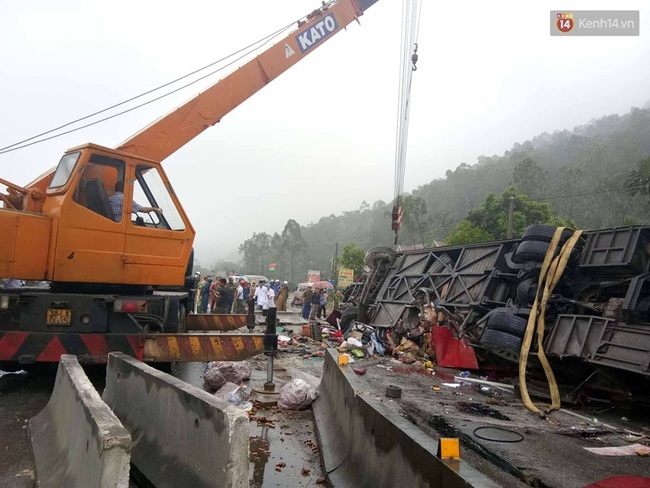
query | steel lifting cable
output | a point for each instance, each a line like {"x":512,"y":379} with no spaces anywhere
{"x":240,"y":54}
{"x":552,"y":269}
{"x":411,"y":10}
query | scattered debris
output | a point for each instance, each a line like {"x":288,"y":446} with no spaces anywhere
{"x":263,"y":421}
{"x":311,"y":445}
{"x":393,"y":391}
{"x":480,"y":410}
{"x":238,"y":395}
{"x":585,"y":431}
{"x":359,"y":370}
{"x":630,"y":450}
{"x":498,"y":434}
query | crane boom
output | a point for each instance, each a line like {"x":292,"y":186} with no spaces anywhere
{"x":171,"y":132}
{"x":108,"y":234}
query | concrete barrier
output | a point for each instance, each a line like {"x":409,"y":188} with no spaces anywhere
{"x":364,"y":444}
{"x":182,"y":435}
{"x":76,"y":439}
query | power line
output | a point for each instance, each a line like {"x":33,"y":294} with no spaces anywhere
{"x":588,"y":193}
{"x":249,"y":48}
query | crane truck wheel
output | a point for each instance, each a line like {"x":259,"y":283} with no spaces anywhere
{"x":378,"y":255}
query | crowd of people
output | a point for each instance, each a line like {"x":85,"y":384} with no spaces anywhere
{"x":315,"y":302}
{"x":224,"y":296}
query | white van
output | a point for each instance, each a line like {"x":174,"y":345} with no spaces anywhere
{"x":255,"y":278}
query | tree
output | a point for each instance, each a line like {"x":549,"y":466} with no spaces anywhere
{"x":529,"y":178}
{"x":490,"y":220}
{"x":227,"y":266}
{"x":353,"y":257}
{"x":637,"y":181}
{"x":277,"y":253}
{"x":415,"y":218}
{"x":293,"y":241}
{"x":467,"y":232}
{"x":255,"y":250}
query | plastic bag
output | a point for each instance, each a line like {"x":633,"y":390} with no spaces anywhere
{"x":378,"y":347}
{"x":242,"y":367}
{"x":233,"y":393}
{"x":222,"y":372}
{"x":355,"y":342}
{"x":296,"y":395}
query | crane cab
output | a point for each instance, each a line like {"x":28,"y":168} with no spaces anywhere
{"x":101,"y":227}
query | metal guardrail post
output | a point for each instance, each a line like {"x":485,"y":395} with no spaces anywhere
{"x":250,"y":316}
{"x":270,"y":346}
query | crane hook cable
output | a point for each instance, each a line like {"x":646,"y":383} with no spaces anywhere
{"x":550,"y":274}
{"x":411,"y":11}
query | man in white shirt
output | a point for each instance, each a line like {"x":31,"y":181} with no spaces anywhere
{"x":260,"y":297}
{"x":238,"y":302}
{"x":270,"y":296}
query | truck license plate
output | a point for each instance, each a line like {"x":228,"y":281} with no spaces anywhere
{"x":58,"y":316}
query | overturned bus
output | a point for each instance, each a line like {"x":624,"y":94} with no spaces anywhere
{"x":475,"y":301}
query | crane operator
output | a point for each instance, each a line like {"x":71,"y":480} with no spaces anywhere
{"x":117,"y":200}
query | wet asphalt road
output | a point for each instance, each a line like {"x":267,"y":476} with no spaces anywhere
{"x":283,"y":451}
{"x":23,"y":395}
{"x":283,"y":455}
{"x":282,"y":446}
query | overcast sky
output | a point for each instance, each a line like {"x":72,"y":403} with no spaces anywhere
{"x":321,"y":138}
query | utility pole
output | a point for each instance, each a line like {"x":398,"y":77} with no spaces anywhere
{"x":334,"y":274}
{"x":511,"y":209}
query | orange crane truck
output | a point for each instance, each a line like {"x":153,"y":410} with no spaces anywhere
{"x":107,"y":235}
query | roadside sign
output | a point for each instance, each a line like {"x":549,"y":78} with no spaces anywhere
{"x":346,"y":277}
{"x":313,"y":276}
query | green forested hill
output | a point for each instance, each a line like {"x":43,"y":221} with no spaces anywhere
{"x":580,"y":173}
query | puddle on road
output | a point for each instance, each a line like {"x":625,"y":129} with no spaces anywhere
{"x":283,"y":449}
{"x":480,"y":410}
{"x":281,"y":441}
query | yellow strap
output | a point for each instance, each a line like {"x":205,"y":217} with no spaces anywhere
{"x":550,"y":274}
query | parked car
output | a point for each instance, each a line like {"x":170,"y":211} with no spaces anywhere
{"x":255,"y":278}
